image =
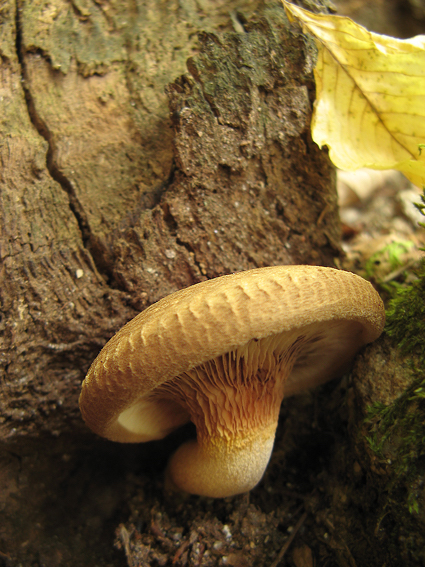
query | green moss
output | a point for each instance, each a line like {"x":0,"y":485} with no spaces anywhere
{"x":406,"y":316}
{"x":391,"y":257}
{"x":397,"y":437}
{"x":397,"y":432}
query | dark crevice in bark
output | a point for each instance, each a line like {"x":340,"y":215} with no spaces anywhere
{"x":153,"y":198}
{"x":172,"y":226}
{"x":43,"y":130}
{"x":89,"y":241}
{"x":192,"y":253}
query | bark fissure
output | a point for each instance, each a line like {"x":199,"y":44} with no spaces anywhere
{"x":188,"y":246}
{"x":42,"y":128}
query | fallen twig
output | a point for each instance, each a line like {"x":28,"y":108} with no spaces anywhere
{"x":289,"y":540}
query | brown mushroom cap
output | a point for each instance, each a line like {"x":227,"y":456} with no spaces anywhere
{"x":223,"y":353}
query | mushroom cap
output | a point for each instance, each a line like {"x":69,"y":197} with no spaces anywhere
{"x":211,"y":318}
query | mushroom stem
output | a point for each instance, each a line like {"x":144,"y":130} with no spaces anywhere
{"x":218,"y":467}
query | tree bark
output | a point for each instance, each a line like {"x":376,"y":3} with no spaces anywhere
{"x":117,"y":190}
{"x":126,"y":175}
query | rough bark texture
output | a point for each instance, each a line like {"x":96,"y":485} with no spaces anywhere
{"x":110,"y":202}
{"x":123,"y":178}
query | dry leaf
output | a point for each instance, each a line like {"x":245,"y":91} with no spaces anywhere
{"x":303,"y":557}
{"x":370,"y":95}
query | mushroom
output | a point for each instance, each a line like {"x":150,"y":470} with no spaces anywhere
{"x":223,"y":353}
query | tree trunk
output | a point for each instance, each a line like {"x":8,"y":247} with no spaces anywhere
{"x":125,"y":177}
{"x":110,"y":202}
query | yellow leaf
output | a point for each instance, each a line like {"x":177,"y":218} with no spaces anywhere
{"x":370,"y":95}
